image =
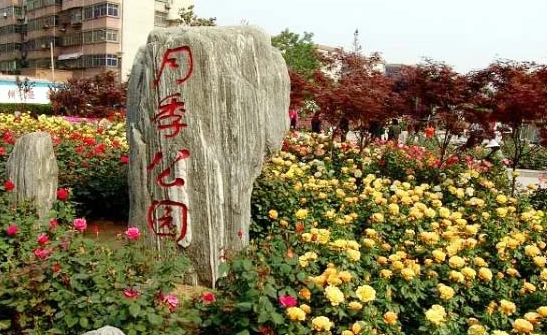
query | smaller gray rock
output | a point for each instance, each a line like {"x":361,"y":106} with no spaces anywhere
{"x":107,"y":330}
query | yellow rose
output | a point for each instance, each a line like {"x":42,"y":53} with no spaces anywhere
{"x":438,"y":255}
{"x":456,"y":262}
{"x":385,"y":273}
{"x":456,"y":276}
{"x":540,"y":261}
{"x":321,"y":323}
{"x":305,"y":293}
{"x":499,"y":332}
{"x":408,"y":274}
{"x":345,"y":276}
{"x":335,"y":296}
{"x":542,"y":311}
{"x":436,"y":314}
{"x":353,"y":255}
{"x":531,"y":250}
{"x":469,"y":273}
{"x":522,"y":326}
{"x":446,"y":292}
{"x":273,"y":214}
{"x":390,"y":318}
{"x":301,"y":214}
{"x":533,"y":317}
{"x":377,"y":217}
{"x":501,"y":212}
{"x":356,"y":327}
{"x":347,"y":332}
{"x":368,"y":243}
{"x":507,"y":307}
{"x":355,"y":306}
{"x":479,"y":261}
{"x":393,"y":209}
{"x":501,"y":199}
{"x":476,"y":330}
{"x":365,"y":293}
{"x":485,"y":274}
{"x":295,"y":314}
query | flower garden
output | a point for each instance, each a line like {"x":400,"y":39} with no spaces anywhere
{"x":344,"y":241}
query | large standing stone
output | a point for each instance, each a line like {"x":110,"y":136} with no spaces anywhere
{"x":32,"y":166}
{"x":192,"y":166}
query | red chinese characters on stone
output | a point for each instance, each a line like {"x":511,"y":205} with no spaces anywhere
{"x":160,"y":218}
{"x":161,"y":179}
{"x":170,"y":60}
{"x":169,"y":116}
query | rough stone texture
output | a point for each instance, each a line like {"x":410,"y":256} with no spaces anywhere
{"x":105,"y":331}
{"x":236,"y":101}
{"x":32,"y":166}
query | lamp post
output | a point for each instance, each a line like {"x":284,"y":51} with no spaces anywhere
{"x":52,"y":62}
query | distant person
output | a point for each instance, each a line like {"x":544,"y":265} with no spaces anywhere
{"x":376,"y":130}
{"x":344,"y":128}
{"x":495,"y":155}
{"x":394,"y":131}
{"x":316,"y":123}
{"x":293,"y":115}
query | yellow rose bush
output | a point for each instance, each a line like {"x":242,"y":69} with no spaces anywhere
{"x":385,"y":254}
{"x":91,"y":155}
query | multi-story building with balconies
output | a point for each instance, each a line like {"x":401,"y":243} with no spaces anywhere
{"x":78,"y":37}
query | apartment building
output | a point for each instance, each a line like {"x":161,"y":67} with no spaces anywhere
{"x":78,"y":38}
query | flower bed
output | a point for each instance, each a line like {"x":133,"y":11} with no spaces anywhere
{"x":92,"y":159}
{"x":342,"y":247}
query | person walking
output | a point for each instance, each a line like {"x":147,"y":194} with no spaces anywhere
{"x":394,"y":131}
{"x":293,"y":115}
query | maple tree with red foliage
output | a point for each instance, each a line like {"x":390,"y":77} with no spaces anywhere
{"x":432,"y":93}
{"x":516,"y":95}
{"x":97,"y":97}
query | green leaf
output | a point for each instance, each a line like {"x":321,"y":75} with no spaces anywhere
{"x":5,"y":324}
{"x":134,"y":309}
{"x":154,"y":319}
{"x":244,"y":306}
{"x":84,"y":323}
{"x":243,"y":332}
{"x":277,"y":318}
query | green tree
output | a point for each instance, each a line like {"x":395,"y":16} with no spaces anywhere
{"x":299,"y":52}
{"x":189,"y":18}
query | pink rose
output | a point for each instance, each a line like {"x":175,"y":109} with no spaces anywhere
{"x":12,"y":230}
{"x":80,"y":224}
{"x":41,"y":253}
{"x":287,"y":301}
{"x":171,"y":301}
{"x":53,"y":223}
{"x":208,"y":297}
{"x":132,"y":233}
{"x":43,"y":239}
{"x":130,"y":293}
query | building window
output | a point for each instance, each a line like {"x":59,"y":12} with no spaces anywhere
{"x":100,"y":60}
{"x":112,"y":35}
{"x":160,"y":19}
{"x":100,"y":36}
{"x":100,"y":10}
{"x":72,"y":39}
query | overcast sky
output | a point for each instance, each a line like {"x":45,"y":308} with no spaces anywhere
{"x":467,"y":34}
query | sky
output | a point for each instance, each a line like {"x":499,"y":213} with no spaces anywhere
{"x":466,"y":34}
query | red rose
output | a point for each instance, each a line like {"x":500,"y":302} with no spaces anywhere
{"x":43,"y":239}
{"x":130,"y":293}
{"x":124,"y":159}
{"x":9,"y":185}
{"x":53,"y":223}
{"x":12,"y":230}
{"x":208,"y":297}
{"x":62,"y":194}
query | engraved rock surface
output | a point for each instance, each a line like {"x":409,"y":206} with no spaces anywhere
{"x":235,"y":89}
{"x":32,"y":166}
